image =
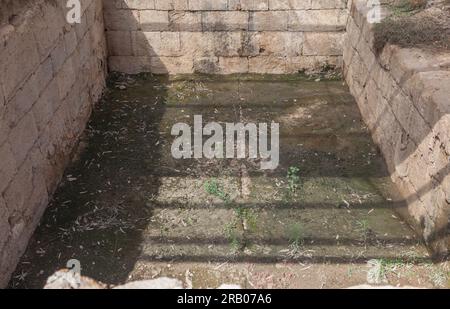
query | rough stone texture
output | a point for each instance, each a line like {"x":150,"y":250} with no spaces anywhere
{"x":52,"y":74}
{"x":403,"y":95}
{"x":66,"y":279}
{"x":224,"y":36}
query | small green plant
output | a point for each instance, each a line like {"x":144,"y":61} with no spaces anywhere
{"x":295,"y":236}
{"x":438,"y":277}
{"x":234,"y":237}
{"x":293,"y":179}
{"x":381,"y":268}
{"x":364,"y":229}
{"x":363,"y":226}
{"x":212,"y":187}
{"x":248,"y":217}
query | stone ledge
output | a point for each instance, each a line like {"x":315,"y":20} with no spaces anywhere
{"x":403,"y":96}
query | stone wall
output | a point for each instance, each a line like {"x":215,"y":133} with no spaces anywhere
{"x":224,"y":36}
{"x":51,"y":75}
{"x":403,"y":95}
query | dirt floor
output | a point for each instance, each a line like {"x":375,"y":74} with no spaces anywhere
{"x":127,"y":210}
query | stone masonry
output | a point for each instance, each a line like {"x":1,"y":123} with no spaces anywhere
{"x":403,"y":96}
{"x":224,"y":36}
{"x":51,"y":73}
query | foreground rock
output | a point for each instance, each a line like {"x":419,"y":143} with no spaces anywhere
{"x":66,"y":279}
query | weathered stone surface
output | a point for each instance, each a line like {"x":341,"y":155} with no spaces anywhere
{"x":185,"y":21}
{"x":317,"y":20}
{"x":269,"y":21}
{"x":233,"y":65}
{"x":206,"y":5}
{"x":66,"y":279}
{"x":267,"y":65}
{"x":171,"y":5}
{"x":254,"y":5}
{"x":41,"y":68}
{"x":403,"y":96}
{"x":289,"y":4}
{"x":119,"y":43}
{"x":226,"y":28}
{"x":323,"y":44}
{"x":225,"y":21}
{"x":155,"y":284}
{"x":154,"y":20}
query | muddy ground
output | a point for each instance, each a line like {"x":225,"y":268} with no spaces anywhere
{"x":325,"y":218}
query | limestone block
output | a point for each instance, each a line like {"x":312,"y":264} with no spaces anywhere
{"x":171,"y":5}
{"x":22,"y":137}
{"x":317,"y":20}
{"x":154,"y":20}
{"x":208,"y":5}
{"x":136,"y":4}
{"x":119,"y":43}
{"x":227,"y":44}
{"x":156,"y":44}
{"x":130,"y":65}
{"x":185,"y":21}
{"x":125,"y":20}
{"x":328,"y":4}
{"x":323,"y":44}
{"x":404,"y":62}
{"x":254,"y":5}
{"x":46,"y":106}
{"x":66,"y":78}
{"x":47,"y":27}
{"x":198,"y":44}
{"x":206,"y":65}
{"x":267,"y":65}
{"x":225,"y":21}
{"x":312,"y":64}
{"x":429,"y":93}
{"x":268,"y":21}
{"x":172,"y":65}
{"x":353,"y":33}
{"x":278,"y":43}
{"x":233,"y":65}
{"x":21,"y":102}
{"x":4,"y":225}
{"x":14,"y":70}
{"x":44,"y":74}
{"x":18,"y":192}
{"x":8,"y":165}
{"x":290,"y":4}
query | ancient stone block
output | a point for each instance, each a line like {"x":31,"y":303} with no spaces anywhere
{"x":172,"y":65}
{"x":8,"y":165}
{"x":233,"y":65}
{"x":129,"y":64}
{"x":323,"y":44}
{"x":254,"y":5}
{"x":207,"y":5}
{"x":317,"y":20}
{"x":185,"y":21}
{"x":125,"y":20}
{"x":171,"y":5}
{"x":225,"y":21}
{"x":267,"y":65}
{"x":268,"y":21}
{"x":156,"y":44}
{"x":289,"y":4}
{"x":137,"y":4}
{"x":154,"y":20}
{"x":119,"y":43}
